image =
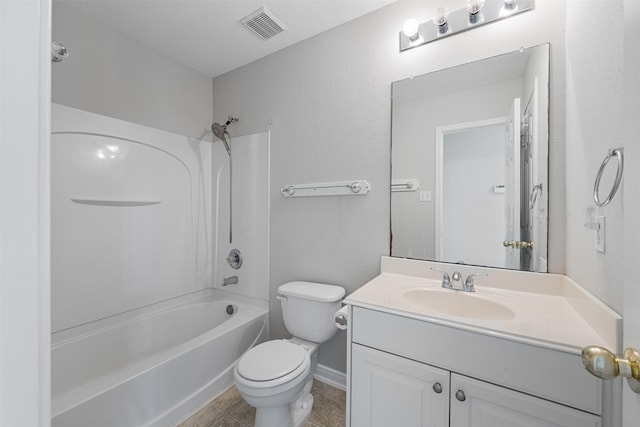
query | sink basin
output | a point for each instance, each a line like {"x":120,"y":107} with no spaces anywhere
{"x":459,"y":304}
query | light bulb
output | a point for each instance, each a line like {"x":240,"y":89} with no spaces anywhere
{"x":474,"y":6}
{"x":440,"y":19}
{"x":510,"y":7}
{"x":473,"y":9}
{"x":410,"y":28}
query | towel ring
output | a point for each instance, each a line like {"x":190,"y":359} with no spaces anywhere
{"x":618,"y":154}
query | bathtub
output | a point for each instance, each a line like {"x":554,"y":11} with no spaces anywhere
{"x":151,"y":367}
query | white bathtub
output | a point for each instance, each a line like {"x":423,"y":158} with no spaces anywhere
{"x":153,"y":366}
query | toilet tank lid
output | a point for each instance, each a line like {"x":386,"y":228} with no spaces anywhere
{"x":312,"y":291}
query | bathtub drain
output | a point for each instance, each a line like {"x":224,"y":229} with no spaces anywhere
{"x":230,"y":309}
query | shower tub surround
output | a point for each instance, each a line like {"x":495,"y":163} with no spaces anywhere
{"x":142,"y":333}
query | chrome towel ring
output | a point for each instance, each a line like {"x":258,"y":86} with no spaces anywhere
{"x":618,"y":154}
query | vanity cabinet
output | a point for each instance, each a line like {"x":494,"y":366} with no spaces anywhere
{"x":387,"y":390}
{"x":480,"y":404}
{"x":410,"y":372}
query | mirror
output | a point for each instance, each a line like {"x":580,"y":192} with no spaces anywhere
{"x":469,"y":163}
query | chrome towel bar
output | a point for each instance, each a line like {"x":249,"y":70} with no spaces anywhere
{"x":357,"y":187}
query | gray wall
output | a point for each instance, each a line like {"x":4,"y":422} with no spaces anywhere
{"x":329,"y":98}
{"x":594,"y":124}
{"x":113,"y":75}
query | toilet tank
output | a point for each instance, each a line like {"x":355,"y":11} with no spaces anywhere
{"x":308,"y":309}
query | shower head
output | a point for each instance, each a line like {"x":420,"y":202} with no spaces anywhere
{"x":221,"y":132}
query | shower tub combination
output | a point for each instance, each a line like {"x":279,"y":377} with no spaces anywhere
{"x":141,"y":336}
{"x":153,"y":366}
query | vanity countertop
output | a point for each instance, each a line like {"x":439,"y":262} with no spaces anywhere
{"x":546,"y":310}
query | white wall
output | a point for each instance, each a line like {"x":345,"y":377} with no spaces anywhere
{"x":111,"y":74}
{"x":594,"y":124}
{"x":25,"y":44}
{"x":631,"y":401}
{"x":329,"y":98}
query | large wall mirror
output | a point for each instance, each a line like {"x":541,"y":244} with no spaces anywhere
{"x":470,"y":163}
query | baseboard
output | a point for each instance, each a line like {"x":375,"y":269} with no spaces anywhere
{"x":331,"y":376}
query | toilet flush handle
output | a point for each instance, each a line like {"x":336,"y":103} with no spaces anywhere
{"x":282,"y":298}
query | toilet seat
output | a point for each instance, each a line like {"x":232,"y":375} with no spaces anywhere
{"x":273,"y":363}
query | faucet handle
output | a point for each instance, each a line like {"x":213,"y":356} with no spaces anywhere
{"x":468,"y":283}
{"x":446,"y":279}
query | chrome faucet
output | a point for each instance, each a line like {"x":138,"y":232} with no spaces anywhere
{"x":233,"y":280}
{"x":456,"y":277}
{"x":468,"y":283}
{"x":446,"y":279}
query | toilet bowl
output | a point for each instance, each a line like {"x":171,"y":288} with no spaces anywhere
{"x":276,"y":376}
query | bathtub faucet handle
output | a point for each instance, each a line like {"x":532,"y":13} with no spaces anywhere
{"x":235,"y":259}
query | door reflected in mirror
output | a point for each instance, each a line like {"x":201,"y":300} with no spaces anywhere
{"x":469,"y":163}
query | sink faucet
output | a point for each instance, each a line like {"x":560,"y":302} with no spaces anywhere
{"x":468,"y":283}
{"x":233,"y":280}
{"x":456,"y":277}
{"x":446,"y":279}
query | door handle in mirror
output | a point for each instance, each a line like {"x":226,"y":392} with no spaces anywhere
{"x":517,"y":245}
{"x":606,"y":365}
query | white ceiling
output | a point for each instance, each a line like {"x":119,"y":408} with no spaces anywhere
{"x":206,"y":34}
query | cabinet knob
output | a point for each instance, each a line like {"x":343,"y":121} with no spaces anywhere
{"x":437,"y":387}
{"x":460,"y":396}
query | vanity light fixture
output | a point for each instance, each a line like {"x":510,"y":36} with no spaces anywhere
{"x":444,"y":24}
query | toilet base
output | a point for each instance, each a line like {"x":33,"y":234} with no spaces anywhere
{"x":300,"y":409}
{"x":293,"y":414}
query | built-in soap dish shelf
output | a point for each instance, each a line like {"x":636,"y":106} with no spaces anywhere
{"x":115,"y":203}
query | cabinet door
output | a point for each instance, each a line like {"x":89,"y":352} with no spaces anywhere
{"x":479,"y":404}
{"x":388,"y":390}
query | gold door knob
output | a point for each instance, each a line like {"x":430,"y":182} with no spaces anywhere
{"x":517,"y":245}
{"x":606,"y":365}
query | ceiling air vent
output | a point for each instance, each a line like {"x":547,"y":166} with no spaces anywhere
{"x":263,"y":23}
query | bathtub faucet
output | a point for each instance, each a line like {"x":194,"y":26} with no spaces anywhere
{"x":233,"y":280}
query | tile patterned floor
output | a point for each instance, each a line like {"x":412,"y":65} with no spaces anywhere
{"x":230,"y":410}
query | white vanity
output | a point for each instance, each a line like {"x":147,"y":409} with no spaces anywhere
{"x":505,"y":355}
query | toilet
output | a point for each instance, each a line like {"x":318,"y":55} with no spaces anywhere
{"x":276,"y":376}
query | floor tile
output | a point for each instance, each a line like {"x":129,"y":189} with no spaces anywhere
{"x":212,"y":416}
{"x":230,"y":410}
